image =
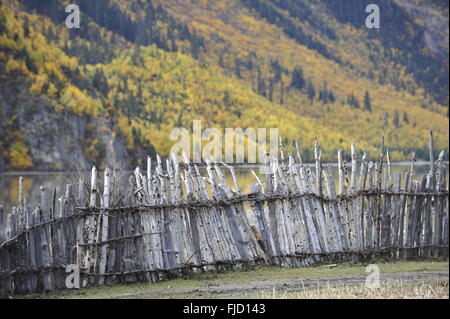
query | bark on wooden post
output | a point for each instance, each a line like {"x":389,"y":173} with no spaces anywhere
{"x":369,"y":216}
{"x":379,"y":203}
{"x":166,"y":238}
{"x":46,"y":246}
{"x":427,"y":219}
{"x":439,"y":214}
{"x":380,"y":164}
{"x":361,"y":200}
{"x":317,"y":157}
{"x":341,"y":173}
{"x":341,"y":236}
{"x":31,"y":250}
{"x":397,"y":204}
{"x":432,"y":167}
{"x":89,"y":259}
{"x":149,"y":175}
{"x":21,"y":207}
{"x":6,"y":259}
{"x":388,"y":173}
{"x":2,"y":224}
{"x":80,"y":224}
{"x":311,"y":225}
{"x":355,"y":207}
{"x":411,"y":204}
{"x":412,"y":167}
{"x":403,"y":230}
{"x":157,"y":234}
{"x":105,"y":221}
{"x":417,"y":218}
{"x":354,"y":168}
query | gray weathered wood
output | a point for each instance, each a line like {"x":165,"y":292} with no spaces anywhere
{"x":432,"y":166}
{"x":105,"y":224}
{"x":172,"y":220}
{"x":2,"y":224}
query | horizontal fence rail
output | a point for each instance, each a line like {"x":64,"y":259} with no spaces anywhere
{"x":172,"y":220}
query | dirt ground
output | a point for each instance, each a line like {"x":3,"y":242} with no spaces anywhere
{"x":263,"y":282}
{"x":271,"y":281}
{"x":250,"y":289}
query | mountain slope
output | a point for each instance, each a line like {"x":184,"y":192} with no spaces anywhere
{"x":115,"y":88}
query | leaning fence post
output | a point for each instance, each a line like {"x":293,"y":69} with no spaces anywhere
{"x":21,"y":208}
{"x":439,"y":209}
{"x":317,"y":158}
{"x":89,"y":263}
{"x":379,"y":184}
{"x":7,"y":258}
{"x":149,"y":178}
{"x":388,"y":179}
{"x":105,"y":225}
{"x":46,"y":245}
{"x":427,"y":219}
{"x":341,"y":172}
{"x":355,"y":208}
{"x":432,"y":168}
{"x":2,"y":224}
{"x":413,"y":160}
{"x":380,"y":164}
{"x":396,"y":214}
{"x":354,"y":168}
{"x":369,"y":222}
{"x":337,"y":221}
{"x":80,"y":221}
{"x":403,"y":231}
{"x":297,"y":148}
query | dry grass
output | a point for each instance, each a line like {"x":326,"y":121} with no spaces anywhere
{"x":182,"y":288}
{"x":398,"y":290}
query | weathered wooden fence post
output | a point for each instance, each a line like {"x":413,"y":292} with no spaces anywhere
{"x":104,"y":236}
{"x":156,"y":231}
{"x":31,"y":258}
{"x":355,"y":208}
{"x":396,"y":216}
{"x":2,"y":224}
{"x":46,"y":247}
{"x":432,"y":167}
{"x":91,"y":249}
{"x":440,"y":207}
{"x":79,"y":224}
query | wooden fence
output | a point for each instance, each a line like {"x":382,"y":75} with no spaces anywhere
{"x":172,"y":220}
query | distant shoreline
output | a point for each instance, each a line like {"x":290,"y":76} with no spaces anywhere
{"x":201,"y":165}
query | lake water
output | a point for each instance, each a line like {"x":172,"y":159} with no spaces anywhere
{"x":9,"y":182}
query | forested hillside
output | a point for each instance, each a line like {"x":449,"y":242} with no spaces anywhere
{"x":112,"y":91}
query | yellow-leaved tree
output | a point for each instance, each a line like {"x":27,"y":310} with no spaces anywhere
{"x":19,"y":157}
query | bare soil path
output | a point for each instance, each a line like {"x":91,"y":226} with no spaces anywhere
{"x":250,"y":289}
{"x":261,"y":282}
